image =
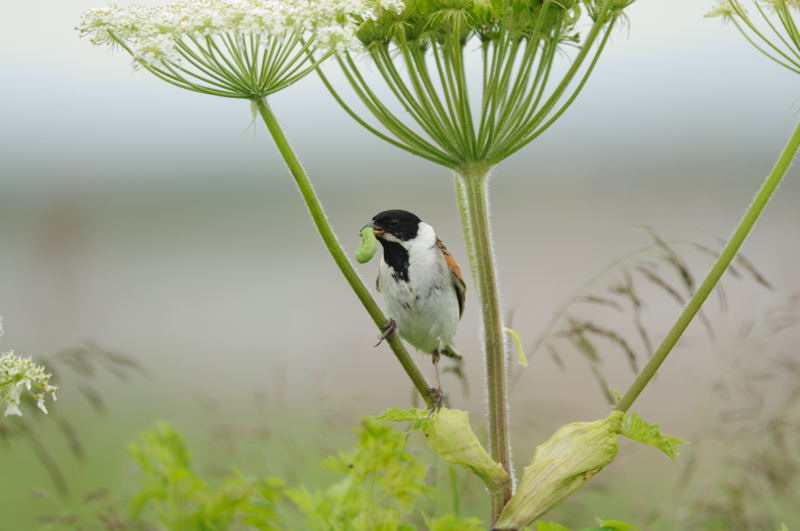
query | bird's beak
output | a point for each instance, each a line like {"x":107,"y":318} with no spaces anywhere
{"x":375,"y":228}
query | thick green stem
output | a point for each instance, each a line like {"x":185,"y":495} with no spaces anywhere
{"x":474,"y":207}
{"x":335,"y":248}
{"x":722,"y":263}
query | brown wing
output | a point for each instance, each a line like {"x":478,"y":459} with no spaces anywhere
{"x":455,"y":272}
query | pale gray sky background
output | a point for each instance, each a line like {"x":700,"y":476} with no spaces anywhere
{"x":672,"y":85}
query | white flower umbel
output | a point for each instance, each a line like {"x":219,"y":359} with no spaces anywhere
{"x":18,"y":375}
{"x":233,"y":48}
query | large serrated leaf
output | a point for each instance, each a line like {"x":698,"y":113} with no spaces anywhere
{"x":636,"y":428}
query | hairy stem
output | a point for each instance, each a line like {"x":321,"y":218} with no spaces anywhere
{"x":713,"y":276}
{"x":474,"y":207}
{"x":335,"y":248}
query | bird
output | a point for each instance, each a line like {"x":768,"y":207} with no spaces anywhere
{"x":421,"y":285}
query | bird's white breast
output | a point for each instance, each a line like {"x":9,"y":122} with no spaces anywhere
{"x":426,"y":306}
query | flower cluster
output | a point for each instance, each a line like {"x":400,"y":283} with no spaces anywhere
{"x":153,"y":35}
{"x":233,"y":48}
{"x":18,"y":375}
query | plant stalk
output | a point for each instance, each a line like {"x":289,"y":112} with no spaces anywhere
{"x":335,"y":248}
{"x":713,"y":276}
{"x":474,"y":207}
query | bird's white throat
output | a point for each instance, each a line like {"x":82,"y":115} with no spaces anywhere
{"x":425,"y":238}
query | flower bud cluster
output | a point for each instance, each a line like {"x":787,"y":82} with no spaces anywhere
{"x":423,"y":21}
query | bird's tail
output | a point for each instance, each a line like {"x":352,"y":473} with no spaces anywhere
{"x":451,"y":352}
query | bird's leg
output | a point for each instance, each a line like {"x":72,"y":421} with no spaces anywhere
{"x":389,"y":329}
{"x":436,"y":357}
{"x":436,"y":392}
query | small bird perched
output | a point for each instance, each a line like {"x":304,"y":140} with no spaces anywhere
{"x":421,"y":285}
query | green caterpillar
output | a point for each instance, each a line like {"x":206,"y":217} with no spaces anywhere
{"x":368,"y":247}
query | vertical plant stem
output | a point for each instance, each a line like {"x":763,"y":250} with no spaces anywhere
{"x":713,"y":276}
{"x":474,"y":208}
{"x":335,"y":248}
{"x":463,"y":212}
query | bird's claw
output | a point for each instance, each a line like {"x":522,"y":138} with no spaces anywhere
{"x":389,"y":329}
{"x":437,"y":397}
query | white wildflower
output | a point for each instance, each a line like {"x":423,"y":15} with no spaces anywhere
{"x":236,"y":48}
{"x":20,"y":375}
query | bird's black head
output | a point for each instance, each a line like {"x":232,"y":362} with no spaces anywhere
{"x":401,"y":224}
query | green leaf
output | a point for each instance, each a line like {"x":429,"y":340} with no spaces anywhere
{"x":570,"y":458}
{"x":450,"y":435}
{"x":634,"y":427}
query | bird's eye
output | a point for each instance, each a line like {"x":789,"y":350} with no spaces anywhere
{"x":394,"y":223}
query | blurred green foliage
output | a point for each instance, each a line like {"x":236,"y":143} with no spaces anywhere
{"x":602,"y":525}
{"x":380,"y":483}
{"x":379,"y":490}
{"x":180,"y":499}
